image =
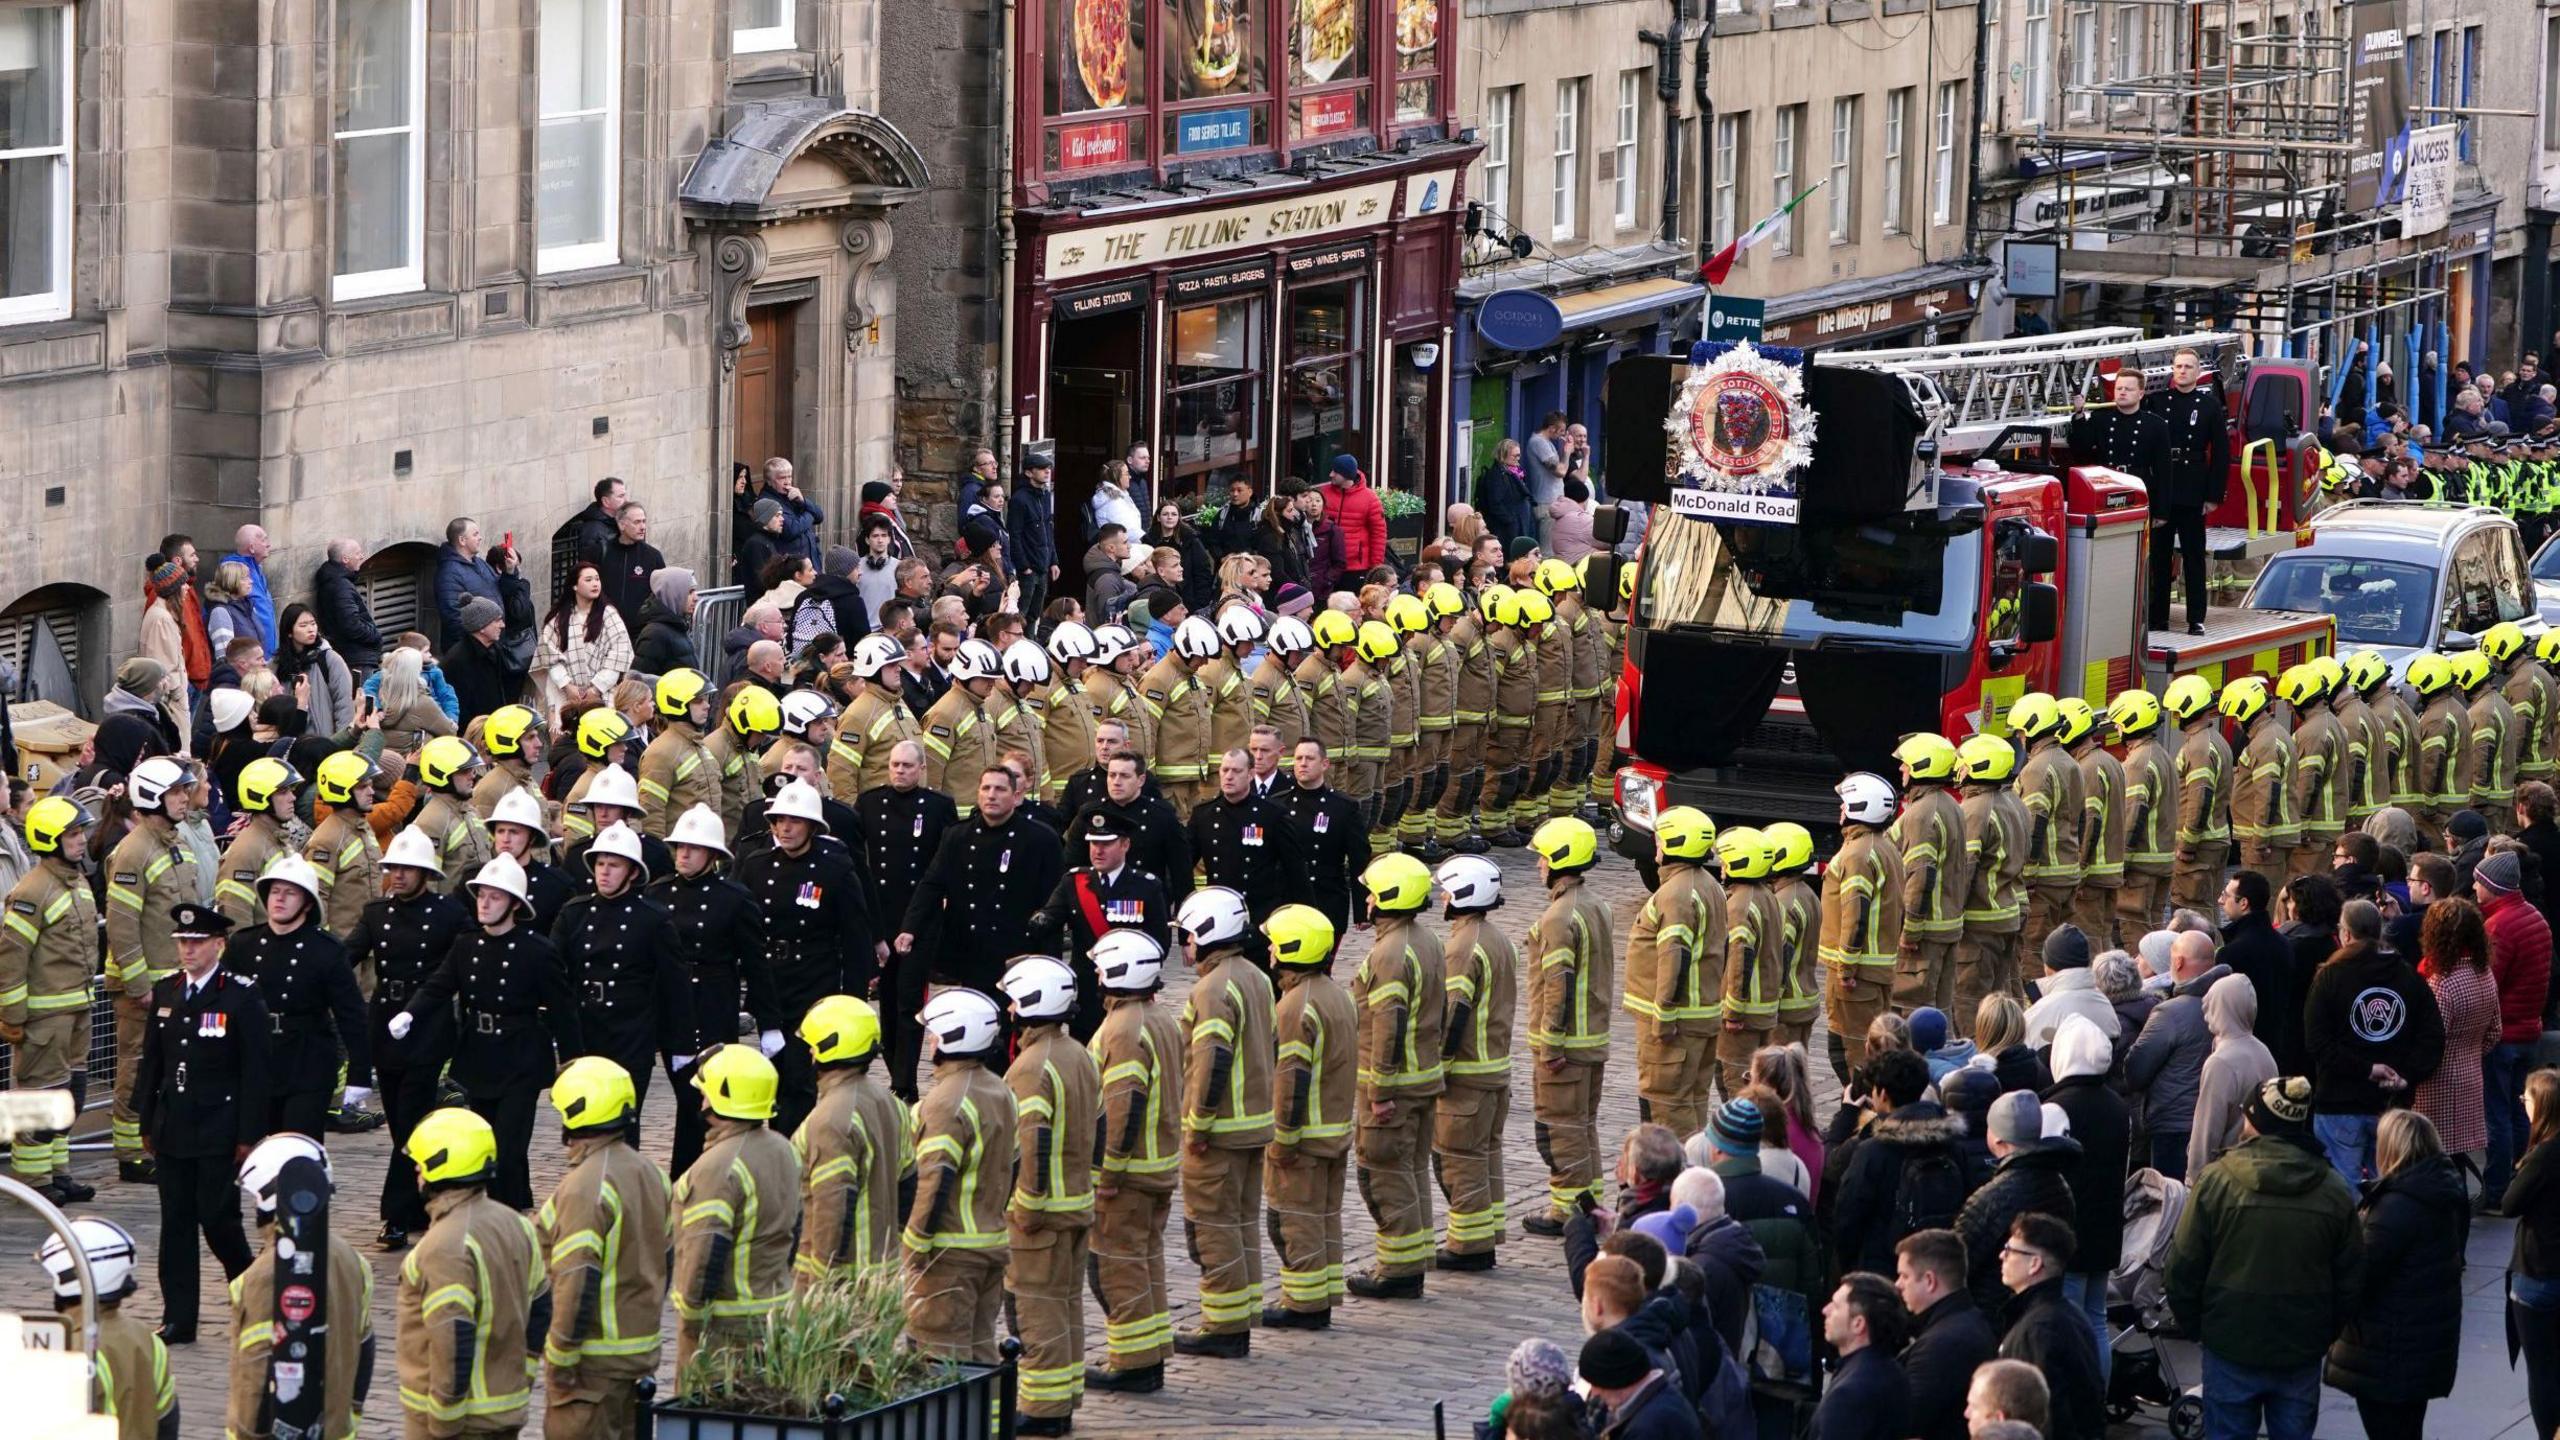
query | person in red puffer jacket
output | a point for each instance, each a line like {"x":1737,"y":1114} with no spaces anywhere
{"x":2520,"y":957}
{"x":1354,"y":506}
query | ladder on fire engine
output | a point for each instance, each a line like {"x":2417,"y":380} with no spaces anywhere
{"x":1974,"y":392}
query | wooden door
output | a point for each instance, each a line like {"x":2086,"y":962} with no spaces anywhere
{"x":764,"y":386}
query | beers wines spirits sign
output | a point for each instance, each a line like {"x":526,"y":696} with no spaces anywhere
{"x":1739,"y":432}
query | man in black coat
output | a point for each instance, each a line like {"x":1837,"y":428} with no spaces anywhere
{"x":1157,"y":842}
{"x":721,"y":929}
{"x":2536,"y":805}
{"x":1950,"y":1338}
{"x":2102,"y":1126}
{"x":595,"y":526}
{"x":817,"y":934}
{"x":2030,"y":1177}
{"x":973,"y":906}
{"x":1873,"y":1202}
{"x":1093,"y":782}
{"x":1334,"y":842}
{"x":201,"y":1095}
{"x":899,"y":827}
{"x":2251,"y":947}
{"x":1869,"y":1398}
{"x":1110,"y":893}
{"x":2196,"y":436}
{"x":473,"y":664}
{"x":313,"y":1005}
{"x":404,"y":936}
{"x":346,"y":621}
{"x":1246,"y":843}
{"x":625,"y":561}
{"x":2136,"y":441}
{"x":2048,"y":1331}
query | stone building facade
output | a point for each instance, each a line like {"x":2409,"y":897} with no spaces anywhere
{"x":354,"y":267}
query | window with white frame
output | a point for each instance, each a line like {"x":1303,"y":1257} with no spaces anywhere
{"x":578,"y":191}
{"x":2124,"y":52}
{"x":1565,"y":216}
{"x":2468,"y":91}
{"x":378,"y":151}
{"x":2035,"y":71}
{"x":2084,"y":59}
{"x":35,"y":163}
{"x":1897,"y":121}
{"x":1842,"y":177}
{"x":1942,"y":154}
{"x":757,"y":25}
{"x":1631,"y":85}
{"x":1729,"y":152}
{"x":2551,"y":84}
{"x":1782,"y":175}
{"x":1501,"y":107}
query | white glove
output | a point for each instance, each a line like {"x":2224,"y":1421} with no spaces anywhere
{"x":356,"y":1097}
{"x":399,"y":1026}
{"x":770,"y":1042}
{"x":678,"y":1064}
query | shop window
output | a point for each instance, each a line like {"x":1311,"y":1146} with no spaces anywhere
{"x":1329,"y":69}
{"x":379,"y":149}
{"x":1416,"y":428}
{"x":35,"y":162}
{"x":1213,"y":394}
{"x":1325,"y":392}
{"x":1215,"y":82}
{"x":1418,"y":61}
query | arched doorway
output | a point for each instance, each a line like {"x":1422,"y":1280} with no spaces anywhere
{"x":53,"y":646}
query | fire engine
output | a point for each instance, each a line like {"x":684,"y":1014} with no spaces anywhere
{"x":1945,"y":555}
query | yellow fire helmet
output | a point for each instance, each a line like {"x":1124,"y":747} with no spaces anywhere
{"x":2470,"y":670}
{"x":508,"y":725}
{"x":1444,"y":600}
{"x":737,"y":1082}
{"x":1300,"y":936}
{"x":1987,"y":759}
{"x":1332,"y":628}
{"x":2187,"y":697}
{"x":2079,"y":717}
{"x":341,"y":775}
{"x":1927,"y":757}
{"x":2299,"y":686}
{"x":2545,"y":649}
{"x":1397,"y":883}
{"x":2503,"y":641}
{"x":1490,"y":597}
{"x":1377,"y":641}
{"x":2135,"y":712}
{"x":1408,"y":614}
{"x":443,"y":759}
{"x":453,"y":1146}
{"x":2331,"y":670}
{"x":678,"y":689}
{"x":1569,"y":846}
{"x":1535,"y":609}
{"x":2365,"y":670}
{"x":1790,"y":847}
{"x":754,"y":711}
{"x":593,"y":1093}
{"x":261,"y":780}
{"x":600,"y":730}
{"x":2243,"y":699}
{"x":1745,"y":853}
{"x":2429,"y":674}
{"x":1555,"y":577}
{"x":2034,"y":715}
{"x":51,"y":818}
{"x":1684,"y":832}
{"x":1506,"y":609}
{"x":841,"y":1030}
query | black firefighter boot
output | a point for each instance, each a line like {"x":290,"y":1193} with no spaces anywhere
{"x":1506,"y":807}
{"x":1216,"y":1347}
{"x":1473,"y":842}
{"x":1146,"y":1381}
{"x":1371,"y":1285}
{"x":1281,"y":1317}
{"x":1044,"y":1425}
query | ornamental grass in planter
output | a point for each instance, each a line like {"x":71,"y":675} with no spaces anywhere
{"x":840,"y":1338}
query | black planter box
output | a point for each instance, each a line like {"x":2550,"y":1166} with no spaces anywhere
{"x":979,"y":1405}
{"x":1404,"y":538}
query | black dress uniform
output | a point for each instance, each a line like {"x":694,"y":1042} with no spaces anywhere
{"x":975,"y":902}
{"x":313,"y":1007}
{"x":550,"y":888}
{"x":721,"y":931}
{"x":754,"y":835}
{"x":2192,"y":478}
{"x":1089,"y":902}
{"x":1043,"y":813}
{"x":406,"y":940}
{"x":2138,"y":444}
{"x":200,"y":1092}
{"x":654,"y":856}
{"x":515,"y":1021}
{"x":1251,"y":846}
{"x":1158,"y":843}
{"x":817,"y":942}
{"x":900,"y":831}
{"x":1092,"y":785}
{"x":625,"y":960}
{"x":1334,"y":846}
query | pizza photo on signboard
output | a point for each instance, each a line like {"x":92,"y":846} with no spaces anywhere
{"x":1099,"y":36}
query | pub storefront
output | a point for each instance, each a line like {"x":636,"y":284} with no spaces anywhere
{"x":1930,"y":305}
{"x":1241,"y":253}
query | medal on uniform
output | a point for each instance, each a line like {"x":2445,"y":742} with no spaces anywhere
{"x":919,"y":826}
{"x":1004,"y":862}
{"x":213,"y":1024}
{"x":1324,"y":822}
{"x":1253,"y":835}
{"x":810,"y":894}
{"x":1125,"y":912}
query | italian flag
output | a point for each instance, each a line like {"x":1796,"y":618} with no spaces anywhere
{"x":1721,"y":264}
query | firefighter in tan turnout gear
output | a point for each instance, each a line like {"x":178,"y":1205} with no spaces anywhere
{"x":2202,"y":774}
{"x":1937,"y":870}
{"x":1139,"y":1050}
{"x":149,"y":872}
{"x":678,"y":771}
{"x":1862,"y":919}
{"x":1057,"y":1097}
{"x":2103,"y":821}
{"x":1674,"y":975}
{"x":474,"y":1295}
{"x":347,"y":1348}
{"x":1571,"y":955}
{"x":1226,"y":1119}
{"x":1799,"y":931}
{"x":2262,"y":815}
{"x":48,"y":950}
{"x":1753,"y":965}
{"x":604,"y":1234}
{"x":959,"y":735}
{"x":856,"y":1149}
{"x":872,"y":723}
{"x":1995,"y":839}
{"x":956,"y":1234}
{"x":1401,"y":992}
{"x":445,"y":765}
{"x":736,"y":1208}
{"x":1178,"y":706}
{"x":1475,"y":1109}
{"x":1314,"y":1096}
{"x":265,"y":786}
{"x":2049,"y":785}
{"x":342,"y":849}
{"x":2317,"y":784}
{"x":2150,"y":806}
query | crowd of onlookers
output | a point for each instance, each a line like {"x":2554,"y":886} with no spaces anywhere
{"x":2309,"y":1096}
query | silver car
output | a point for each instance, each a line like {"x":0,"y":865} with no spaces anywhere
{"x":2402,"y":578}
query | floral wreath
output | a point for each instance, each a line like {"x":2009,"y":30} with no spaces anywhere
{"x":1741,"y":423}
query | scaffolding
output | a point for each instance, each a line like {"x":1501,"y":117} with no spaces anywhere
{"x":2240,"y":117}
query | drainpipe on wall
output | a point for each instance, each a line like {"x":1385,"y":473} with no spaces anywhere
{"x":1973,"y":160}
{"x":1000,"y":236}
{"x":1706,"y":152}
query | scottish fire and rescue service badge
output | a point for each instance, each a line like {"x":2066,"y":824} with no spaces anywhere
{"x":1739,"y":432}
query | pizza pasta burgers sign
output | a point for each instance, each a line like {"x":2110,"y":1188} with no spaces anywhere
{"x":1740,"y":430}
